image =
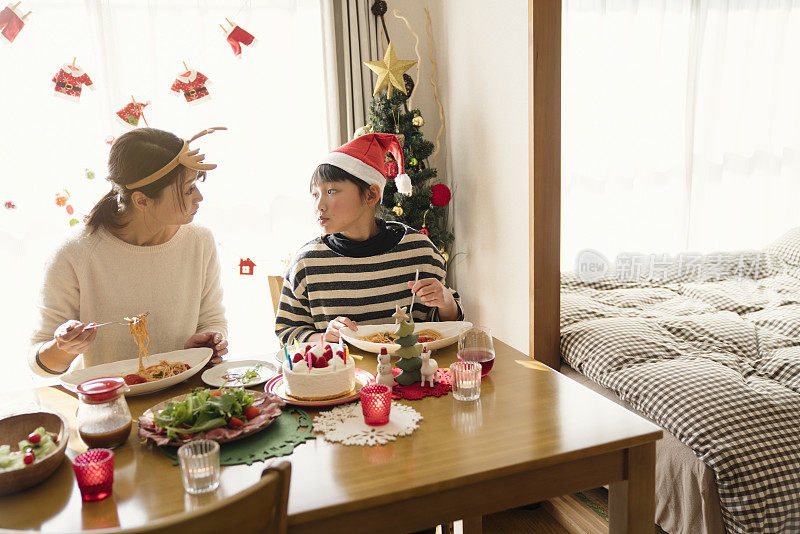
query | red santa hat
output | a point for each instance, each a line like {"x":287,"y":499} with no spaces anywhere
{"x":364,"y":158}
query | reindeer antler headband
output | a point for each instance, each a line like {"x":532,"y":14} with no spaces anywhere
{"x":188,"y":158}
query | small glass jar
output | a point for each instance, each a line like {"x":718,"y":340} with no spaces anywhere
{"x":104,"y":420}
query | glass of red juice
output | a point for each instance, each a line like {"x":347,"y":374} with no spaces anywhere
{"x":475,"y":345}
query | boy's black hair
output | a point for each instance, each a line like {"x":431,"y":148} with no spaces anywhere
{"x":326,"y":172}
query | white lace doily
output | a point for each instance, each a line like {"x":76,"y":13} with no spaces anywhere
{"x":345,"y":424}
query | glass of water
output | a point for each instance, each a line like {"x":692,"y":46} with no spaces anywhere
{"x":199,"y":461}
{"x":466,"y":380}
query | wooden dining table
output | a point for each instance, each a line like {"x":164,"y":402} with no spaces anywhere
{"x":533,"y":434}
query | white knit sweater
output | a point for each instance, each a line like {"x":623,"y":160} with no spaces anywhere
{"x":99,"y":278}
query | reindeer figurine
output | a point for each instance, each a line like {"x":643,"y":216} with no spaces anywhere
{"x":428,"y":369}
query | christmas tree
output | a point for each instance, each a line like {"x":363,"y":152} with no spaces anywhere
{"x":409,"y":351}
{"x":425,"y":209}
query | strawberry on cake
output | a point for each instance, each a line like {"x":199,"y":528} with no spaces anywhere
{"x":319,"y":372}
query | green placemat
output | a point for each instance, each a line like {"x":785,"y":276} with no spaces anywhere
{"x":290,"y":429}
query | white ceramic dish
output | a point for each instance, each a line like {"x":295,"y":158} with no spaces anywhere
{"x":215,"y":376}
{"x":195,"y":358}
{"x":449,"y":329}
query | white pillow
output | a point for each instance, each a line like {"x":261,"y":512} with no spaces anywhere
{"x":786,"y":249}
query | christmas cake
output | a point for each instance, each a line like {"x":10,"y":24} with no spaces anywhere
{"x":319,"y":372}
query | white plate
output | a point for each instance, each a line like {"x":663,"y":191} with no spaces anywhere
{"x":215,"y":376}
{"x":195,"y":358}
{"x":449,"y":329}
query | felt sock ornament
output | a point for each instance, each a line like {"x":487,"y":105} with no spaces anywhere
{"x":69,"y":81}
{"x":11,"y":22}
{"x":237,"y":37}
{"x":193,"y":86}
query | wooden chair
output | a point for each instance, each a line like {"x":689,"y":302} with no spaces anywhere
{"x":275,"y":286}
{"x":261,"y":508}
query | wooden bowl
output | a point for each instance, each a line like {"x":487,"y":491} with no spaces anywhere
{"x":16,"y":428}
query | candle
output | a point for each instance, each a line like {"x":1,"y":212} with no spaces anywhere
{"x":288,"y":358}
{"x":376,"y":403}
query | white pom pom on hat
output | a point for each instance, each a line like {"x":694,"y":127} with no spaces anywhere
{"x":364,"y":157}
{"x":403,"y":183}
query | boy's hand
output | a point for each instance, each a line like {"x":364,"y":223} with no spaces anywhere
{"x":432,"y":293}
{"x":332,"y":332}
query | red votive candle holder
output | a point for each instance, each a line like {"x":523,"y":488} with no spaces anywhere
{"x":376,"y":401}
{"x":94,"y":471}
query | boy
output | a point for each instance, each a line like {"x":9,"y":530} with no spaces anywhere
{"x":363,"y":266}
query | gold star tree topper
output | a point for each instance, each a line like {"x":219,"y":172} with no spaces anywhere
{"x":390,"y":72}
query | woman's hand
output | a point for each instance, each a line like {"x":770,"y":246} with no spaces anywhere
{"x":332,"y":332}
{"x":432,"y":293}
{"x":213,"y":340}
{"x":71,"y":337}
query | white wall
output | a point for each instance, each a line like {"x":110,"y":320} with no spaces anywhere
{"x":482,"y":55}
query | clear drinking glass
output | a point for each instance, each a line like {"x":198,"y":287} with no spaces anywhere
{"x":466,"y":380}
{"x":199,"y":461}
{"x":476,"y":345}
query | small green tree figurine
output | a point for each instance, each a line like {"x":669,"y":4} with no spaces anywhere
{"x":409,"y":351}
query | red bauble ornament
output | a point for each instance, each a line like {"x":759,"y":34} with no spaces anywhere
{"x":440,"y":195}
{"x":423,"y":230}
{"x":390,"y":169}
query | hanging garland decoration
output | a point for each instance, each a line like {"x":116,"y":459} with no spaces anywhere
{"x":399,"y":15}
{"x":12,"y":22}
{"x":238,"y":36}
{"x":435,"y":92}
{"x":132,"y":112}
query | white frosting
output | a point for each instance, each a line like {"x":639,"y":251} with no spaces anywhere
{"x":336,"y":379}
{"x":320,"y":382}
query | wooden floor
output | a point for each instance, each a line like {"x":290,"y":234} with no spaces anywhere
{"x":563,"y":515}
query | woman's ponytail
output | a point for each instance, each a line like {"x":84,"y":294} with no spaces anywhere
{"x":104,"y":213}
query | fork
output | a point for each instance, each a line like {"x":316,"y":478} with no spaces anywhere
{"x":136,"y":320}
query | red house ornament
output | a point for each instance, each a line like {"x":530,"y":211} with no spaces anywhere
{"x":246,"y":266}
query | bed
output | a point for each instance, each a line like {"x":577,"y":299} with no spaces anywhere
{"x":713,"y":357}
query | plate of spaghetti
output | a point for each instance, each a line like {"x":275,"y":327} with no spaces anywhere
{"x":434,"y":335}
{"x":166,"y":369}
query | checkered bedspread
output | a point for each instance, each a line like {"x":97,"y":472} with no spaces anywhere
{"x":716,"y":363}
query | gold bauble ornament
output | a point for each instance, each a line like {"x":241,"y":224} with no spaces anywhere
{"x":398,"y":211}
{"x":445,"y":255}
{"x":417,"y":121}
{"x":390,"y":72}
{"x":363,"y":130}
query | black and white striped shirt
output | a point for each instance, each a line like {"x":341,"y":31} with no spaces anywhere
{"x":321,"y":285}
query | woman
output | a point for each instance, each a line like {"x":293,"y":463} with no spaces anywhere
{"x":138,"y":253}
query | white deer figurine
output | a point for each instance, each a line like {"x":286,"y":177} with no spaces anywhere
{"x":428,"y":369}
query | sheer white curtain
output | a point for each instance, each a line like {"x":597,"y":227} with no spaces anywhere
{"x":256,"y":202}
{"x":680,"y":125}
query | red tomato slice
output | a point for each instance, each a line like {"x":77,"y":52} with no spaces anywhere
{"x":236,"y":423}
{"x":251,"y":412}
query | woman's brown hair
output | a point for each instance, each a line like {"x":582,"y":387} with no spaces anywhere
{"x":133,"y":156}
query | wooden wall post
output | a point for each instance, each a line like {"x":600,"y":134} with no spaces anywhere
{"x":544,"y":130}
